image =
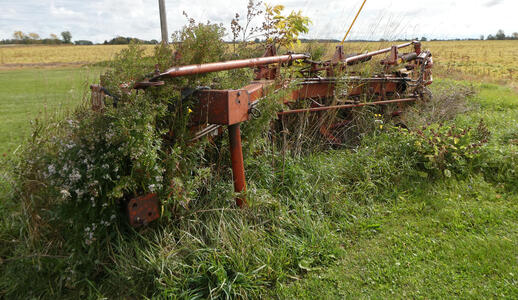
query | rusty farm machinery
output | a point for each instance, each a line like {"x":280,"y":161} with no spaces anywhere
{"x":319,"y":85}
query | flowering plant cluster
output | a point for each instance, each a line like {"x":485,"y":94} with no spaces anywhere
{"x":89,"y":165}
{"x":447,"y":149}
{"x":95,"y":161}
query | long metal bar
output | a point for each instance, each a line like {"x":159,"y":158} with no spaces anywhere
{"x":374,"y":53}
{"x":163,"y":21}
{"x":227,"y":65}
{"x":238,"y":167}
{"x":324,"y":108}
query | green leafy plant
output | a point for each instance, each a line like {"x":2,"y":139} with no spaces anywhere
{"x":284,"y":30}
{"x":448,"y":149}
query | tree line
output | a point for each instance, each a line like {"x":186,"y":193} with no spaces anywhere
{"x":20,"y":37}
{"x":500,"y":35}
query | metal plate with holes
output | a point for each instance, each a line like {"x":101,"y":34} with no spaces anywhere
{"x":143,"y":210}
{"x":222,"y":107}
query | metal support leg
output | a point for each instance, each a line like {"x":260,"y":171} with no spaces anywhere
{"x":238,"y":168}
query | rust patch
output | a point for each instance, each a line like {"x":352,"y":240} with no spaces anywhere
{"x":143,"y":210}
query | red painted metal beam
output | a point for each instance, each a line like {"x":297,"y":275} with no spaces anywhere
{"x":238,"y":167}
{"x":227,"y":65}
{"x":374,"y":53}
{"x":324,"y":108}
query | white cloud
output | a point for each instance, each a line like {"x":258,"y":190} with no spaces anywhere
{"x":63,"y":12}
{"x":100,"y":20}
{"x":493,"y":3}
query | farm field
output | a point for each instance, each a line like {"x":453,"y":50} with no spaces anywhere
{"x":23,"y":69}
{"x":30,"y":56}
{"x":493,"y":61}
{"x":370,"y":238}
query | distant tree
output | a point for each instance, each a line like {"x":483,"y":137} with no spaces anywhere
{"x":34,"y":36}
{"x":515,"y":36}
{"x":121,"y":40}
{"x":500,"y":35}
{"x":67,"y":37}
{"x":490,"y":37}
{"x":424,"y":39}
{"x":83,"y":42}
{"x":53,"y":36}
{"x":481,"y":37}
{"x":19,"y":35}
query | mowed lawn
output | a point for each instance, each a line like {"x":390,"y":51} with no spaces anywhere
{"x":31,"y":94}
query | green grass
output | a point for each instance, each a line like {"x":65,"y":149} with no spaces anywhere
{"x":37,"y":93}
{"x":442,"y":239}
{"x":338,"y":224}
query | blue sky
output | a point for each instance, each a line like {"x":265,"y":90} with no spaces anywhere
{"x":100,"y":20}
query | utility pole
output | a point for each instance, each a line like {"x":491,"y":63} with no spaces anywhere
{"x":163,"y":21}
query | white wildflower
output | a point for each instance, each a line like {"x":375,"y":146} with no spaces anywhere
{"x":109,"y":135}
{"x":74,"y":176}
{"x":65,"y":194}
{"x":79,"y":193}
{"x":52,"y":170}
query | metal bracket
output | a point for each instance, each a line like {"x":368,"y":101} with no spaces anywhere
{"x":143,"y":210}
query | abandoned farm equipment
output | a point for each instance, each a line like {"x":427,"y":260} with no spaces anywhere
{"x":404,"y":78}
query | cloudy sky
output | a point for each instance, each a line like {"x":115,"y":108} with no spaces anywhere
{"x":100,"y":20}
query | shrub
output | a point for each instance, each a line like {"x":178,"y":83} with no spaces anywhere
{"x":447,"y":149}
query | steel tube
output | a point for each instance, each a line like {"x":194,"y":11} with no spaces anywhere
{"x":163,"y":21}
{"x":324,"y":108}
{"x":238,"y":167}
{"x":227,"y":65}
{"x":374,"y":53}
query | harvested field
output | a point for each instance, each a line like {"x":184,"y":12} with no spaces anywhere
{"x":493,"y":61}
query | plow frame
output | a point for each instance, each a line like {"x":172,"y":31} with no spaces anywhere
{"x":217,"y":108}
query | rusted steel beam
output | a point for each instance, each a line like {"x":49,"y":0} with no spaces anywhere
{"x":312,"y":90}
{"x":238,"y":167}
{"x":227,"y":65}
{"x":97,"y":98}
{"x":355,"y":58}
{"x":222,"y":107}
{"x":324,"y":108}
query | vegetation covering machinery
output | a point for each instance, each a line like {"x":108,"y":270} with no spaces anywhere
{"x":321,"y":85}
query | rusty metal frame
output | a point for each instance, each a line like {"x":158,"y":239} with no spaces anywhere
{"x":217,"y":108}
